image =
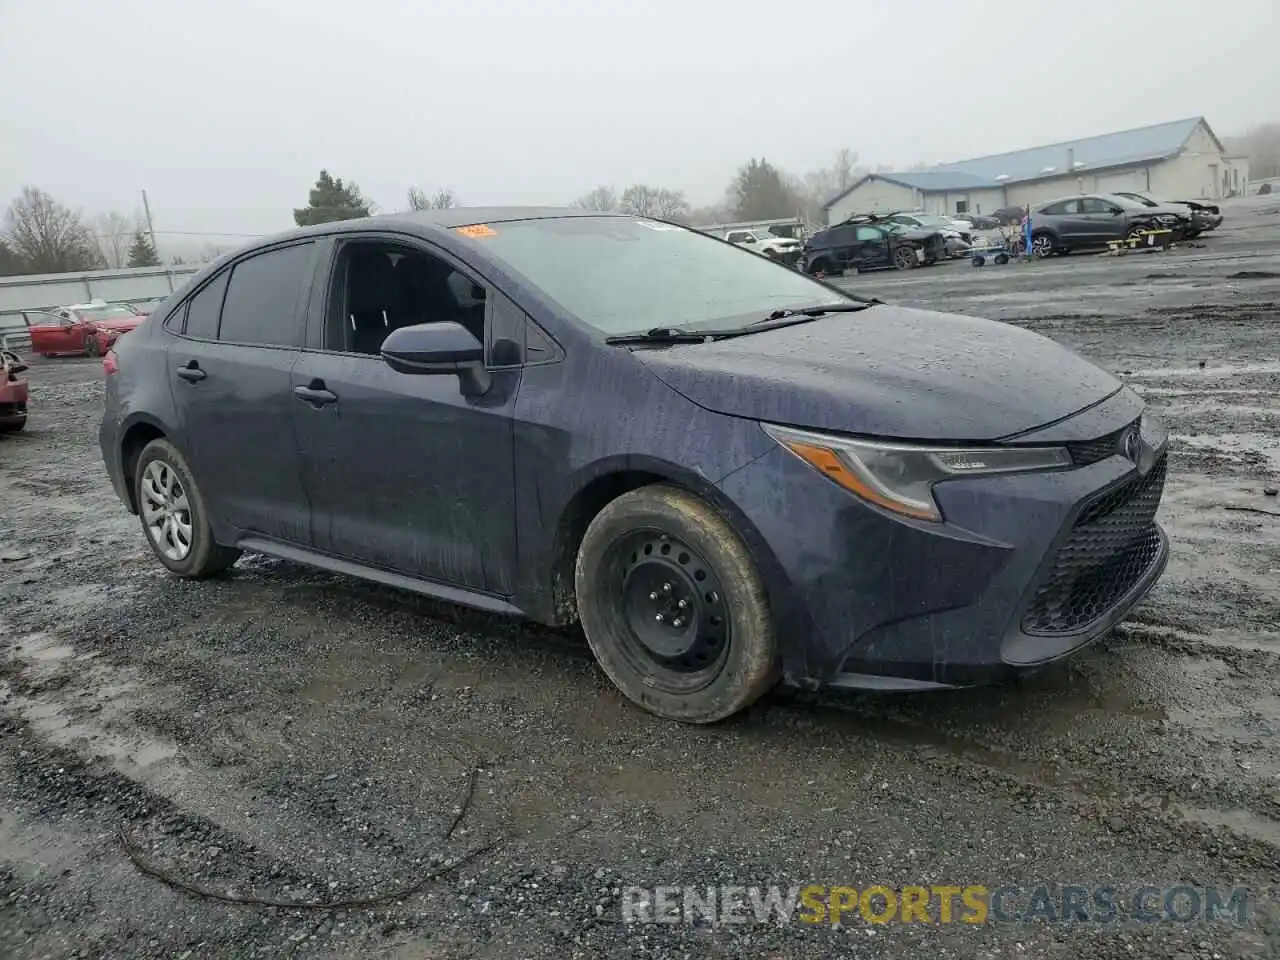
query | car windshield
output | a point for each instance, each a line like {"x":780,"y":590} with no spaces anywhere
{"x":628,"y":274}
{"x":105,"y":313}
{"x":1138,"y":199}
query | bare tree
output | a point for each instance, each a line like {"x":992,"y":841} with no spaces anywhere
{"x":442,"y":199}
{"x":1262,"y":146}
{"x":670,"y":205}
{"x":48,"y":237}
{"x":114,"y":234}
{"x":601,"y":198}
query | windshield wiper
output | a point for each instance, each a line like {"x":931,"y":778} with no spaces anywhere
{"x":817,"y":311}
{"x":665,"y":335}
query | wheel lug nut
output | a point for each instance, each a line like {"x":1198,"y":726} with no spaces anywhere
{"x":653,"y":596}
{"x":682,"y":604}
{"x":658,"y":617}
{"x":677,"y":622}
{"x":666,"y":588}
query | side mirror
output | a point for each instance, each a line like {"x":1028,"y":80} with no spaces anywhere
{"x":435,"y":348}
{"x":1116,"y":211}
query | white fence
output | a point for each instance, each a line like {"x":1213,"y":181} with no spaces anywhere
{"x":46,"y":290}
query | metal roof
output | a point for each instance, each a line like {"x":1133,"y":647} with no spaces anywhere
{"x":1091,"y":153}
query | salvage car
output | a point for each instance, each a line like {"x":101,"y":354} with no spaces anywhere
{"x":80,"y":329}
{"x":871,"y":242}
{"x":1204,"y":216}
{"x":1077,"y":223}
{"x":727,"y":472}
{"x":13,"y":393}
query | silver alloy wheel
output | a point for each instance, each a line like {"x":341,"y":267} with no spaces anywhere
{"x":1042,"y":246}
{"x":166,"y":510}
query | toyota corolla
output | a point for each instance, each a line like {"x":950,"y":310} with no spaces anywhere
{"x":729,"y":473}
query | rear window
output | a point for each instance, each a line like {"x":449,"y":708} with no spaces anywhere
{"x":628,"y":274}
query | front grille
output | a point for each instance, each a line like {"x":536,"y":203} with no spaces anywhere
{"x":1085,"y":452}
{"x":1113,"y":543}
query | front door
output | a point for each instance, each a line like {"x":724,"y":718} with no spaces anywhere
{"x":404,"y":471}
{"x":229,"y":368}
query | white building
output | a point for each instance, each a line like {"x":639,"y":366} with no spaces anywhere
{"x":1182,"y":160}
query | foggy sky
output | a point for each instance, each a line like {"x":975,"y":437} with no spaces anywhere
{"x":225,"y":111}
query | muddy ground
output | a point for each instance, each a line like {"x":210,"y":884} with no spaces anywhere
{"x":296,"y":736}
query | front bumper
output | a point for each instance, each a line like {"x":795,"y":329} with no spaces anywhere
{"x":1026,"y":569}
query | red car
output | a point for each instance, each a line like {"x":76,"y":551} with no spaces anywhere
{"x":82,"y":328}
{"x":13,"y":393}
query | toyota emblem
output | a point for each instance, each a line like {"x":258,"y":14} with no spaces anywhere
{"x":1129,"y":445}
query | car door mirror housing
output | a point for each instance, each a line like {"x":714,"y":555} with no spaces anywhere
{"x":436,"y":348}
{"x":445,"y":347}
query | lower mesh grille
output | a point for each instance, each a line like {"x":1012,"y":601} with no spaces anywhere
{"x":1113,"y":544}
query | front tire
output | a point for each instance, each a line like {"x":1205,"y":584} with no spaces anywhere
{"x":91,"y":346}
{"x":1042,"y":245}
{"x":174,"y":517}
{"x":673,"y":606}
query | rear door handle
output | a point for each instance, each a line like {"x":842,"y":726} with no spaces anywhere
{"x":191,"y":372}
{"x":315,"y":393}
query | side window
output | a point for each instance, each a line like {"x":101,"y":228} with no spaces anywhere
{"x":1094,"y":205}
{"x":203,"y":309}
{"x":261,"y":305}
{"x":1055,"y":209}
{"x":870,"y":235}
{"x":380,"y":287}
{"x":737,"y":236}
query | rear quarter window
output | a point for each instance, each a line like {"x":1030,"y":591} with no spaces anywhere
{"x":203,"y":309}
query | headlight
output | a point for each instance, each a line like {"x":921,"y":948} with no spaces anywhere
{"x":900,"y":477}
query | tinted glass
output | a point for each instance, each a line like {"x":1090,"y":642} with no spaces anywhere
{"x":203,"y":309}
{"x":262,"y":299}
{"x":627,"y":274}
{"x":870,"y":233}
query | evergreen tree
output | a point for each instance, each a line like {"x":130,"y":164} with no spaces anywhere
{"x":759,"y":193}
{"x":141,"y":252}
{"x":331,"y":200}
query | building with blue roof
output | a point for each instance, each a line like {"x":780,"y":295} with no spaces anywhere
{"x":1180,"y":160}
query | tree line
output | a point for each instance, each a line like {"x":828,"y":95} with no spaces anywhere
{"x":41,"y":235}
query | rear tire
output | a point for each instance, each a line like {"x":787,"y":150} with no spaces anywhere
{"x":91,"y":346}
{"x":174,"y":517}
{"x":673,"y":606}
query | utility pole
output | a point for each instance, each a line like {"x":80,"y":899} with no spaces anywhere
{"x":151,"y":230}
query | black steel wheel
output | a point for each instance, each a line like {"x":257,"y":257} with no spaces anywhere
{"x":673,"y":606}
{"x":91,"y":345}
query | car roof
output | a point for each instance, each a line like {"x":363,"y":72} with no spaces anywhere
{"x":446,"y":219}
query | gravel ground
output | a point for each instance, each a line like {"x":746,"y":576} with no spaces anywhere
{"x":299,"y":737}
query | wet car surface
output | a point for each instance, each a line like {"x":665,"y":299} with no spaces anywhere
{"x":293,"y":734}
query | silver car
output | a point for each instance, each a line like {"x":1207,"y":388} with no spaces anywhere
{"x":1093,"y":220}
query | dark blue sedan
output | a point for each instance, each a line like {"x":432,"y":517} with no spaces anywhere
{"x":728,"y":472}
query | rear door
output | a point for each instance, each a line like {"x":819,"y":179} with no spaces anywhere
{"x":240,"y":336}
{"x":1101,"y":224}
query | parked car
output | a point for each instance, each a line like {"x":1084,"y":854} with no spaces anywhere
{"x":784,"y":249}
{"x":870,"y":242}
{"x":81,"y":328}
{"x":932,"y":221}
{"x":1075,"y":223}
{"x":727,"y":471}
{"x":13,"y":393}
{"x":1204,"y":216}
{"x":1009,"y":216}
{"x":981,"y":221}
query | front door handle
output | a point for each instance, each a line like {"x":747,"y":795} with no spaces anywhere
{"x":315,"y":393}
{"x":191,"y":372}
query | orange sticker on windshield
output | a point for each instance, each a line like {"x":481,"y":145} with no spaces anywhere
{"x":477,"y":230}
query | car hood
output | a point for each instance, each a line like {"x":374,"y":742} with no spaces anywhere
{"x":888,"y":371}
